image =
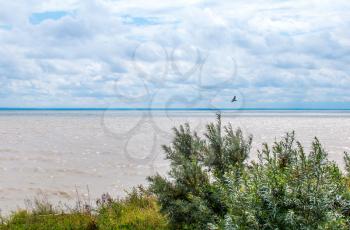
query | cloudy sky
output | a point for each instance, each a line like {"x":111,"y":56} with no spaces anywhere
{"x":185,"y":53}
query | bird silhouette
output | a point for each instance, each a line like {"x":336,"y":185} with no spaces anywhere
{"x":234,"y":99}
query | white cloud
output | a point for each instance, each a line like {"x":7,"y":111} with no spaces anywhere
{"x":270,"y":51}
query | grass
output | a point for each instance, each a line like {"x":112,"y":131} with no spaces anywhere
{"x":138,"y":210}
{"x":31,"y":221}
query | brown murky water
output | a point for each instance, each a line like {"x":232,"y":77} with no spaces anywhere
{"x":56,"y":153}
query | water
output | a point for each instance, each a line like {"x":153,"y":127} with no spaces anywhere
{"x":56,"y":153}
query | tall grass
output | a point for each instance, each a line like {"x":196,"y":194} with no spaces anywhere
{"x":139,"y":210}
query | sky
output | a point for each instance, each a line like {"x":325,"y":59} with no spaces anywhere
{"x":185,"y":53}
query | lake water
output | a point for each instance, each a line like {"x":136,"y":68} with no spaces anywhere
{"x":59,"y":153}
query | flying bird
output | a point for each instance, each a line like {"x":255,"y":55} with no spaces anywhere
{"x":234,"y":99}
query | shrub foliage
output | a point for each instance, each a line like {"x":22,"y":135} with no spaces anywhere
{"x":211,"y":184}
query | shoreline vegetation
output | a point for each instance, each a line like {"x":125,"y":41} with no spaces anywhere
{"x":211,"y":185}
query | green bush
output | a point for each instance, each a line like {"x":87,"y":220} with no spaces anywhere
{"x":211,"y":184}
{"x":287,"y":189}
{"x":192,"y":196}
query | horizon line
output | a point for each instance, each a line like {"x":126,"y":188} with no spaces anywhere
{"x":164,"y":109}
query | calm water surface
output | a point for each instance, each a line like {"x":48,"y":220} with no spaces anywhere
{"x":56,"y":153}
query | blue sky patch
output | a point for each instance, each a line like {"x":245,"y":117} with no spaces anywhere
{"x":140,"y":21}
{"x":37,"y":18}
{"x":5,"y":27}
